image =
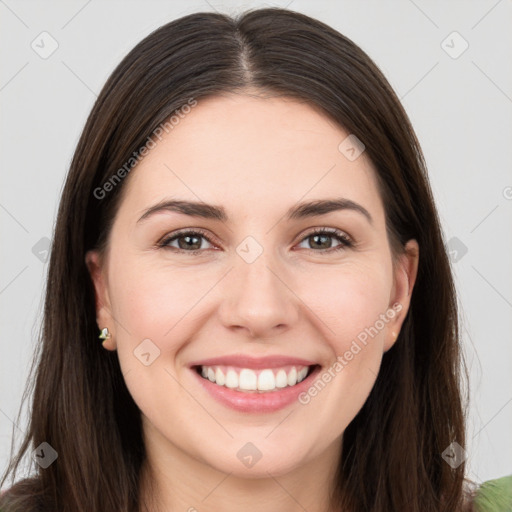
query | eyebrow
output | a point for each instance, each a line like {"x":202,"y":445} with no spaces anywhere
{"x":297,"y":212}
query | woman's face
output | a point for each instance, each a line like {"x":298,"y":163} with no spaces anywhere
{"x":256,"y":299}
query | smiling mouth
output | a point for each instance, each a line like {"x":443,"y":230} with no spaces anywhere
{"x":248,"y":380}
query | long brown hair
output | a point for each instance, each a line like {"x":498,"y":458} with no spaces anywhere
{"x":392,"y":451}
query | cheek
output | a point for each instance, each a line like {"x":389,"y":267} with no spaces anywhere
{"x":355,"y":319}
{"x":350,"y":300}
{"x":151,"y":300}
{"x":156,"y":304}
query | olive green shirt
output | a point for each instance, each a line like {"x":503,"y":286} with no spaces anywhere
{"x":494,"y":496}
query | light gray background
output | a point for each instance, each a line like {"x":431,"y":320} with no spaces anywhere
{"x":460,"y":107}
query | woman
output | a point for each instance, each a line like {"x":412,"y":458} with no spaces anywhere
{"x":248,"y":225}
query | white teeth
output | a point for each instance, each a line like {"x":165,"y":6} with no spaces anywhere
{"x":248,"y":380}
{"x":245,"y":379}
{"x":266,"y":380}
{"x":302,"y":374}
{"x":281,"y":379}
{"x":231,"y":379}
{"x":219,"y":377}
{"x":292,"y":377}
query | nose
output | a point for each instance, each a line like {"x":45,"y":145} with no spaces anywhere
{"x":258,"y":298}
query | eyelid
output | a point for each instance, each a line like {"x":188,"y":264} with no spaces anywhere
{"x":175,"y":234}
{"x":346,"y":240}
{"x":325,"y":229}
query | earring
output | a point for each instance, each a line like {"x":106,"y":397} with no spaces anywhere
{"x":105,"y":335}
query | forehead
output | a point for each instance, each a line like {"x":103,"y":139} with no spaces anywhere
{"x":251,"y":153}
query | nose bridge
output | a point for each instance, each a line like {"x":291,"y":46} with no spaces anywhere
{"x":256,"y":296}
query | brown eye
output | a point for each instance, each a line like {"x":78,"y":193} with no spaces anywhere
{"x":321,"y":240}
{"x":187,"y":241}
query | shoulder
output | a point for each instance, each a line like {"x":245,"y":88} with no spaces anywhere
{"x":494,"y":496}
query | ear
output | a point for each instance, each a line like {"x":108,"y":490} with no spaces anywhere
{"x":97,"y":270}
{"x":405,"y":272}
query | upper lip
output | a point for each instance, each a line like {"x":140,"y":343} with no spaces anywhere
{"x":245,"y":361}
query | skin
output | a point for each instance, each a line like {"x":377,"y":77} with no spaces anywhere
{"x":256,"y":157}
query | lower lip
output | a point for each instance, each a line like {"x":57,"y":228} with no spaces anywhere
{"x":255,"y":402}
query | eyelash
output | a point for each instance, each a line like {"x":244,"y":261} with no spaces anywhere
{"x":345,"y":241}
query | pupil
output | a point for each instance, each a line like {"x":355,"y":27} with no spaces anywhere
{"x":188,"y":244}
{"x":322,"y":241}
{"x":325,"y":237}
